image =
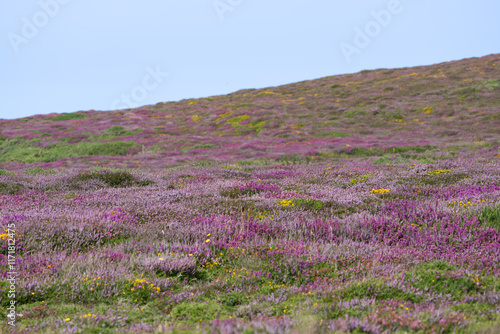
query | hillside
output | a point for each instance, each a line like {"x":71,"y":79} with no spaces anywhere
{"x":387,"y":221}
{"x":437,"y":108}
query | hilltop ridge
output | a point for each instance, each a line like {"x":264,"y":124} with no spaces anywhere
{"x":370,"y":113}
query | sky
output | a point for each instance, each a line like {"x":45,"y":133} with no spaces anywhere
{"x":68,"y":55}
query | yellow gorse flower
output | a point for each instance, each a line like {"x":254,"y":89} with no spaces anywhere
{"x":286,"y":202}
{"x":439,"y":171}
{"x":4,"y":236}
{"x":380,"y":191}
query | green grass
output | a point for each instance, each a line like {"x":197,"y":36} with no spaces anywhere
{"x":383,"y":160}
{"x":481,"y":311}
{"x":308,"y":204}
{"x":39,"y":170}
{"x":464,"y":92}
{"x":17,"y":150}
{"x":333,"y":311}
{"x":402,"y":160}
{"x":490,"y":217}
{"x":65,"y":117}
{"x":198,"y":146}
{"x":294,"y":159}
{"x":195,"y":311}
{"x":441,"y":278}
{"x":491,"y":84}
{"x":367,"y":152}
{"x":202,"y":163}
{"x":379,"y":291}
{"x":114,"y":132}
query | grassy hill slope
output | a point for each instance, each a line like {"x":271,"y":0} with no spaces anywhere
{"x":437,"y":108}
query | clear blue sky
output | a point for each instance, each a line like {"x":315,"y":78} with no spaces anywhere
{"x":70,"y":55}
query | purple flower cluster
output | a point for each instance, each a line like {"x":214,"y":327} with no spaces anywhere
{"x":268,"y":262}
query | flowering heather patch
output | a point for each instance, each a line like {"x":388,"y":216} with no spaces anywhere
{"x":301,"y":249}
{"x":368,"y":202}
{"x":250,"y":189}
{"x":169,"y":266}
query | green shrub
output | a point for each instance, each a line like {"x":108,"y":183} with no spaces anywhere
{"x":114,"y":179}
{"x":5,"y":172}
{"x":11,"y":188}
{"x":116,"y":130}
{"x":233,"y":299}
{"x":65,"y":117}
{"x":144,"y":183}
